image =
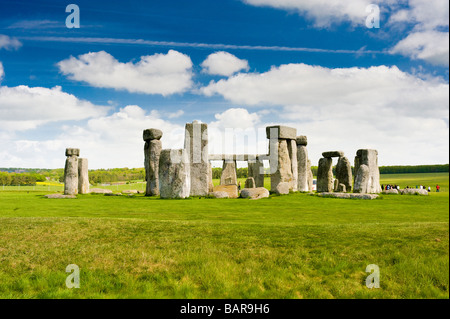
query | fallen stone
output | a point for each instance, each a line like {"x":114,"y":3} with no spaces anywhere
{"x":99,"y":191}
{"x":231,"y":190}
{"x":112,"y":194}
{"x":282,"y":188}
{"x":414,"y":191}
{"x":348,"y":195}
{"x":281,"y":132}
{"x":60,"y":196}
{"x":220,"y":195}
{"x":333,"y":154}
{"x":130,"y":191}
{"x":255,"y":193}
{"x":390,"y":191}
{"x":152,"y":134}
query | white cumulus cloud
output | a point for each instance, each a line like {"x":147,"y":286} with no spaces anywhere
{"x":223,"y":63}
{"x":9,"y":43}
{"x":163,"y":74}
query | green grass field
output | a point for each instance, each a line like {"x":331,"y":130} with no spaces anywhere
{"x":295,"y":246}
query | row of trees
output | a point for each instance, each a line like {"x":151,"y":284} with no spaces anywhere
{"x":414,"y":169}
{"x":22,"y":179}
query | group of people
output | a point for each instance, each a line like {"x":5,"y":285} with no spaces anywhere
{"x":389,"y":186}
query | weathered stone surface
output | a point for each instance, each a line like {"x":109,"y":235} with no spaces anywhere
{"x":231,"y":190}
{"x":303,"y":173}
{"x":280,"y":166}
{"x":325,"y":175}
{"x":220,"y":194}
{"x":174,"y":174}
{"x":83,"y":176}
{"x":302,"y":140}
{"x":344,"y":173}
{"x":250,"y":182}
{"x":152,"y":134}
{"x":414,"y":191}
{"x":130,"y":191}
{"x":333,"y":154}
{"x":350,"y":196}
{"x":60,"y":196}
{"x":100,"y":191}
{"x":254,"y":170}
{"x":71,"y":176}
{"x":292,"y":148}
{"x":362,"y":179}
{"x":72,"y":152}
{"x":196,"y":145}
{"x":310,"y":177}
{"x":390,"y":191}
{"x":281,"y":132}
{"x":282,"y":188}
{"x":370,"y":159}
{"x":152,"y":152}
{"x":210,"y":179}
{"x":255,"y":193}
{"x":229,"y":176}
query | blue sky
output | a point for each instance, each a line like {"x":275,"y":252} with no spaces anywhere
{"x":237,"y":65}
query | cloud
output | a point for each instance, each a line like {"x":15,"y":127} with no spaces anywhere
{"x":176,"y":114}
{"x":24,"y":108}
{"x":2,"y":72}
{"x":322,"y":12}
{"x":9,"y":43}
{"x":403,"y":116}
{"x":236,"y":118}
{"x":223,"y":63}
{"x":425,"y":14}
{"x":430,"y":46}
{"x":107,"y":141}
{"x":163,"y":74}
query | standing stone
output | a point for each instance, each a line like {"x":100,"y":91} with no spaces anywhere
{"x":325,"y":175}
{"x":254,"y":170}
{"x":152,"y":152}
{"x":292,"y":147}
{"x":71,"y":172}
{"x":229,"y":176}
{"x":83,"y":176}
{"x":362,"y":179}
{"x":196,"y":144}
{"x":303,"y":172}
{"x":344,"y":173}
{"x":371,"y":183}
{"x":250,"y":182}
{"x":174,"y":174}
{"x":210,"y":178}
{"x":281,"y":167}
{"x":310,"y":177}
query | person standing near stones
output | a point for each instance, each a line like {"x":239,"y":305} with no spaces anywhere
{"x":438,"y":188}
{"x":239,"y":186}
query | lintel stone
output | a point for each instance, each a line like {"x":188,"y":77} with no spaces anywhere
{"x":284,"y":132}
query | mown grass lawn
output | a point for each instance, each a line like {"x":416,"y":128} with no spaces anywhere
{"x":295,"y":246}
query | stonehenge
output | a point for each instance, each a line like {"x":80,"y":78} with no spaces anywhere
{"x":187,"y":172}
{"x":152,"y":152}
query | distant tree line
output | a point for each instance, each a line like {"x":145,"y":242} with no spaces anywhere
{"x":22,"y":179}
{"x":414,"y":169}
{"x":101,"y":176}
